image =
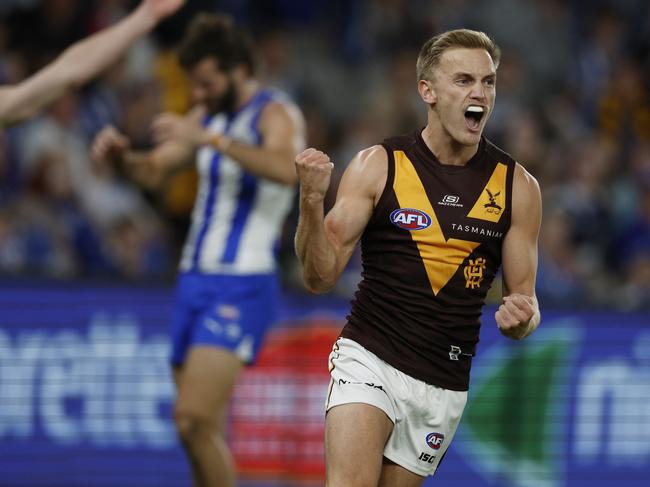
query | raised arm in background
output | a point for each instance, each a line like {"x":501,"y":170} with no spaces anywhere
{"x":80,"y":62}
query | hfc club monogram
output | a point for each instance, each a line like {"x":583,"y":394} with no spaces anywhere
{"x":474,"y":272}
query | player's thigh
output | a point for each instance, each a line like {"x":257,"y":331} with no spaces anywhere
{"x":355,"y":436}
{"x":206,"y":381}
{"x":393,"y":475}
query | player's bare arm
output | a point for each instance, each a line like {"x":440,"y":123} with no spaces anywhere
{"x":147,"y":168}
{"x":519,"y":315}
{"x":80,"y":62}
{"x":324,"y":245}
{"x":283,"y":135}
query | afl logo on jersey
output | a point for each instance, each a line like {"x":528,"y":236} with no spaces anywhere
{"x":434,"y":440}
{"x":410,"y":219}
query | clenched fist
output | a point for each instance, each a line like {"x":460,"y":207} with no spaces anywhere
{"x":109,"y":145}
{"x":514,"y":315}
{"x":186,"y":129}
{"x":314,"y":172}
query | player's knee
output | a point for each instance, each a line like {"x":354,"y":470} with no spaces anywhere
{"x":193,"y":427}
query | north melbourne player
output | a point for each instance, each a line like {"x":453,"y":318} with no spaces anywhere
{"x":243,"y":138}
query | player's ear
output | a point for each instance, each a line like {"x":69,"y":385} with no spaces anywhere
{"x":427,"y":93}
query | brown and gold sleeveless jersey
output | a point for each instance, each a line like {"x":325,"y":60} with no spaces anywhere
{"x":430,"y":252}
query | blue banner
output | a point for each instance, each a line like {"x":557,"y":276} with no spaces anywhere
{"x":86,"y":394}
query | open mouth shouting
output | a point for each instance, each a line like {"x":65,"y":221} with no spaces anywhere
{"x":473,"y":116}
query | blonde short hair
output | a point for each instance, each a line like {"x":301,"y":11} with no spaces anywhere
{"x":433,"y":49}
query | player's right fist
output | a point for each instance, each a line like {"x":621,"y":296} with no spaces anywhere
{"x":109,"y":145}
{"x":314,"y":170}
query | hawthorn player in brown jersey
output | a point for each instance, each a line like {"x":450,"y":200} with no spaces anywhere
{"x":438,"y":212}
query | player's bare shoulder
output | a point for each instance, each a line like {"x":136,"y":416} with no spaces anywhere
{"x":525,"y":178}
{"x":283,"y":126}
{"x":282,"y":111}
{"x":368,"y":170}
{"x":526,"y":194}
{"x":524,"y":181}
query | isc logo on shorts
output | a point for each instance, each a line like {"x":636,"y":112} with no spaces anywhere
{"x":434,"y":440}
{"x":410,"y":219}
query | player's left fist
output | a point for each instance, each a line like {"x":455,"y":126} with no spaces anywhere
{"x":182,"y":129}
{"x":514,"y":315}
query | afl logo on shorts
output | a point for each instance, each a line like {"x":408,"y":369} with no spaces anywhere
{"x":434,"y":440}
{"x":410,"y":219}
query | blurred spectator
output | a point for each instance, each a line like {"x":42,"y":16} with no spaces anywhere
{"x":624,"y":107}
{"x":12,"y":255}
{"x":632,"y":249}
{"x":597,"y":52}
{"x":558,"y":278}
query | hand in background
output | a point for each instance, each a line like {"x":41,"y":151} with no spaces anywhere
{"x":187,"y":130}
{"x":110,"y":146}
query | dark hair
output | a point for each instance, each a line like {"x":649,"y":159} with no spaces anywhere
{"x":216,"y":36}
{"x":432,"y":50}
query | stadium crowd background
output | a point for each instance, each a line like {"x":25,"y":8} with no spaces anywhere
{"x":573,"y":106}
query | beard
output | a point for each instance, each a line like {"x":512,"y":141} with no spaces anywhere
{"x":226,"y":102}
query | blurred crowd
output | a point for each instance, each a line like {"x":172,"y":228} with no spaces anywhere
{"x":573,"y":106}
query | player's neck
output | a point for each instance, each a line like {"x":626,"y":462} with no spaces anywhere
{"x":445,"y":148}
{"x":246,"y":92}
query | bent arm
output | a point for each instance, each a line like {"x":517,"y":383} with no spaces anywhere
{"x":324,"y":245}
{"x":75,"y":66}
{"x":282,"y":129}
{"x":149,"y":168}
{"x":520,"y":311}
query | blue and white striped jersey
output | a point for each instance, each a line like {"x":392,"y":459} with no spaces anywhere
{"x":237,"y":216}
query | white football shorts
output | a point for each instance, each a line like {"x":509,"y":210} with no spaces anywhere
{"x":425,"y":417}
